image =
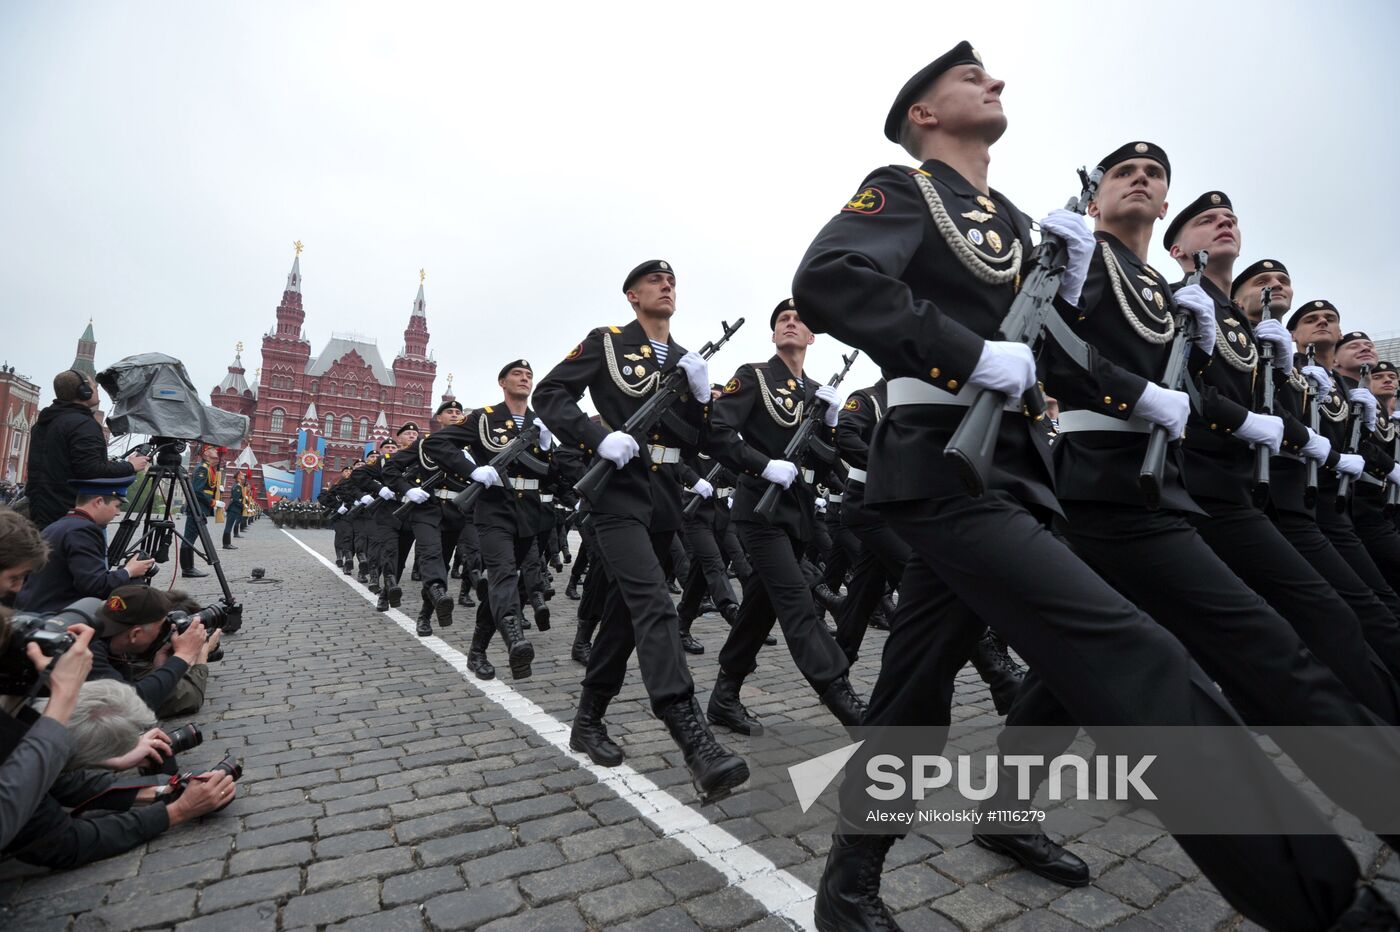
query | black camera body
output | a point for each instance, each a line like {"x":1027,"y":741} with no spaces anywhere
{"x":50,"y":631}
{"x":213,"y":617}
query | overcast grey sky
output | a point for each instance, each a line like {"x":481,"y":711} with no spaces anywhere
{"x":158,"y":159}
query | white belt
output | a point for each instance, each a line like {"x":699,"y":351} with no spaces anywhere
{"x":856,"y":475}
{"x":834,"y":498}
{"x":444,"y":494}
{"x":660,"y":454}
{"x":1371,"y":480}
{"x":724,"y":492}
{"x":524,"y":485}
{"x":1072,"y":421}
{"x":907,"y":391}
{"x":546,"y":497}
{"x":808,"y":476}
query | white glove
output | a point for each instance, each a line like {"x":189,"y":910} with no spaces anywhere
{"x":341,"y":510}
{"x":1394,"y":475}
{"x":219,"y":504}
{"x":1395,"y":415}
{"x":1350,"y":464}
{"x":546,"y":438}
{"x":386,"y":493}
{"x":697,"y":373}
{"x":1271,"y":331}
{"x":1202,"y":308}
{"x":1079,"y":249}
{"x":366,"y":499}
{"x":780,"y":472}
{"x":1317,"y":448}
{"x":1165,"y":407}
{"x":1319,"y":377}
{"x":821,"y":504}
{"x":1368,"y":403}
{"x":729,"y":502}
{"x":618,"y":448}
{"x":1008,"y":368}
{"x":702,"y":488}
{"x":486,"y":475}
{"x":416,"y":495}
{"x":1262,"y":428}
{"x":828,"y":394}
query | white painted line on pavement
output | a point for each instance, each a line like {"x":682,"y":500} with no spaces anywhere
{"x":780,"y":893}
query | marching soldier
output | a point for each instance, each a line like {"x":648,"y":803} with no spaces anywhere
{"x":337,"y":500}
{"x":508,"y":514}
{"x":634,"y":519}
{"x":919,"y":269}
{"x":750,"y":425}
{"x":707,"y":573}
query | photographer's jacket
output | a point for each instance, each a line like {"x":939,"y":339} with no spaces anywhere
{"x":76,"y":568}
{"x":67,"y":444}
{"x":515,"y":505}
{"x":153,"y":688}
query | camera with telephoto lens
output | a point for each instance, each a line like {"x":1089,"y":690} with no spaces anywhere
{"x":185,"y":737}
{"x":211,"y":616}
{"x":50,"y":631}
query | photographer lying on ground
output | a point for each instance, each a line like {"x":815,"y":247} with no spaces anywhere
{"x":77,"y":565}
{"x":188,"y":694}
{"x":130,"y":624}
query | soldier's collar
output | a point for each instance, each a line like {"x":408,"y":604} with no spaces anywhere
{"x":780,"y":372}
{"x":949,"y":176}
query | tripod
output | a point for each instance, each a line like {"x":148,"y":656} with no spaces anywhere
{"x":157,"y":533}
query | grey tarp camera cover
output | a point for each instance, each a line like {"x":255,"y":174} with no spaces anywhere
{"x":152,"y":394}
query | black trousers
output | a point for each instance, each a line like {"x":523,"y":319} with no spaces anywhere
{"x":502,"y":555}
{"x":707,"y":573}
{"x":362,"y":527}
{"x":1258,"y":553}
{"x":424,"y":525}
{"x":1379,"y":625}
{"x":1340,"y":530}
{"x":344,"y":537}
{"x":881,"y":561}
{"x":231,"y":523}
{"x":390,"y":542}
{"x":1377,"y":532}
{"x":733,"y":550}
{"x":469,"y":545}
{"x":680,"y":558}
{"x":1109,"y":664}
{"x":596,"y":582}
{"x":450,"y":525}
{"x":638,"y":613}
{"x":778,"y":589}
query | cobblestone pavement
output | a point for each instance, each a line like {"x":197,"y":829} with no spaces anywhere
{"x":383,"y":790}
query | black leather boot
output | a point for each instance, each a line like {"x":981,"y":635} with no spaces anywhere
{"x":425,"y":620}
{"x":827,"y":598}
{"x":714,"y":771}
{"x":436,"y":596}
{"x":726,"y":710}
{"x":1368,"y":912}
{"x":1030,"y":846}
{"x":382,"y":605}
{"x":363,"y":575}
{"x":583,"y":641}
{"x":476,"y":654}
{"x":349,"y":568}
{"x":729,"y":611}
{"x":589,"y":735}
{"x":843,"y":702}
{"x":456,"y":570}
{"x":464,"y":597}
{"x":998,"y":670}
{"x":392,"y":592}
{"x":688,"y":643}
{"x":571,"y":591}
{"x":520,"y":651}
{"x":848,"y":896}
{"x":374,"y":584}
{"x":541,"y":610}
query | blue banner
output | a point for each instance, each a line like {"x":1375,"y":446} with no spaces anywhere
{"x":278,"y":482}
{"x":320,"y":468}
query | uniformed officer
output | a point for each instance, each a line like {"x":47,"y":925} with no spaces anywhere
{"x":205,"y":482}
{"x":750,"y":425}
{"x":508,"y":515}
{"x":370,"y":486}
{"x":919,"y":269}
{"x":707,"y":574}
{"x":635,"y":517}
{"x":337,"y":500}
{"x":1377,"y":448}
{"x":404,"y":474}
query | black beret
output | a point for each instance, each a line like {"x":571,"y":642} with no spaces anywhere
{"x":1307,"y":307}
{"x":408,"y":425}
{"x":516,"y":364}
{"x":1137,"y":150}
{"x":453,"y":405}
{"x":1383,"y":366}
{"x":646,"y":268}
{"x":1353,"y":335}
{"x":961,"y":54}
{"x":130,"y":605}
{"x":386,"y":441}
{"x":787,"y":304}
{"x":1208,"y":201}
{"x":1258,"y":268}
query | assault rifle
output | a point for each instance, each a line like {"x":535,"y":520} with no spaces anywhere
{"x":1261,"y":451}
{"x":672,"y":387}
{"x":692,"y":506}
{"x":1175,"y":378}
{"x":800,"y":441}
{"x":1358,"y":410}
{"x":517,"y":449}
{"x":1314,"y":422}
{"x":1032,"y":316}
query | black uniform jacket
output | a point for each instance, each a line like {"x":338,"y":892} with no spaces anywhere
{"x":486,"y":432}
{"x":864,"y":408}
{"x":617,"y":367}
{"x":751,"y":423}
{"x":76,"y":569}
{"x":883,"y":276}
{"x":1336,"y":424}
{"x":1127,"y":314}
{"x":1288,"y":473}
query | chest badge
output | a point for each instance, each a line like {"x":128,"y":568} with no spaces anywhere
{"x":977,"y":216}
{"x":646,"y":350}
{"x":639,"y":371}
{"x":975,"y":236}
{"x":987,"y":204}
{"x":994,"y":240}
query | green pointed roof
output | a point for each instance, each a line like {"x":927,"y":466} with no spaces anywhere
{"x":87,"y":334}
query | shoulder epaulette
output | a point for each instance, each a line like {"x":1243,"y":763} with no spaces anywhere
{"x":487,"y":409}
{"x":614,"y":329}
